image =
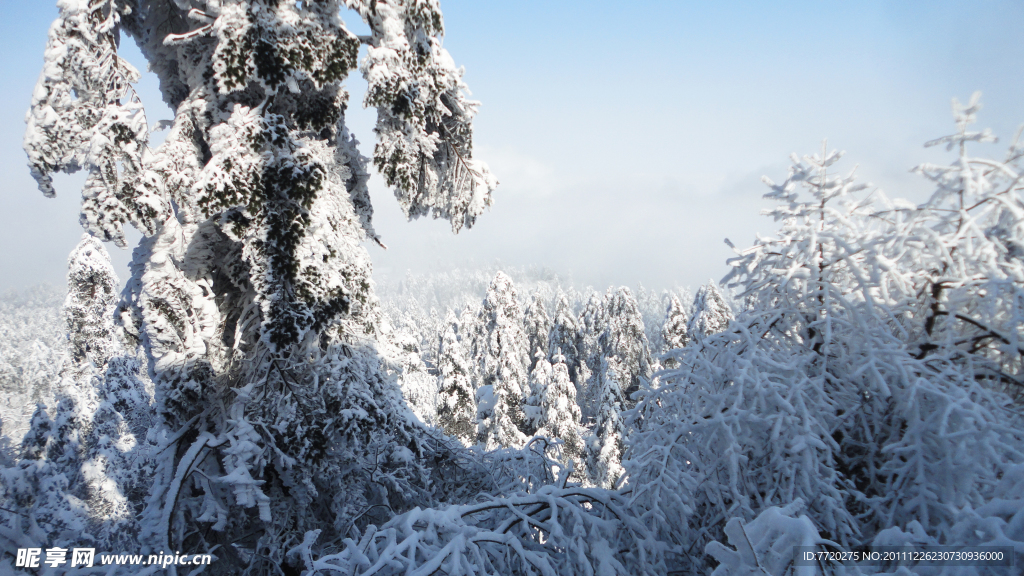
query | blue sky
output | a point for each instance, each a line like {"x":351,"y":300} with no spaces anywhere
{"x":629,"y":137}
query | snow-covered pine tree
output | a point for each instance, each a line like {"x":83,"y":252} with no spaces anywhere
{"x":538,"y":327}
{"x":540,"y":379}
{"x":613,"y":328}
{"x":564,"y":336}
{"x":605,"y":441}
{"x":744,"y":422}
{"x":560,"y":416}
{"x":111,"y":477}
{"x":36,"y":487}
{"x":652,"y":305}
{"x":882,"y":443}
{"x":674,"y":331}
{"x":250,"y":290}
{"x":432,"y":330}
{"x":592,"y":327}
{"x":419,"y":387}
{"x":503,"y":360}
{"x":971,"y":272}
{"x":85,"y":461}
{"x":626,"y":341}
{"x":711,"y":312}
{"x":960,"y":313}
{"x":456,"y":403}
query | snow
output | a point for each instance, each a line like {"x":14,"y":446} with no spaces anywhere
{"x":854,"y":381}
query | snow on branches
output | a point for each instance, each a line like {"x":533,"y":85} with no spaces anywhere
{"x":424,"y":147}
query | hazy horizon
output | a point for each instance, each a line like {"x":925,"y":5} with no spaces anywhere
{"x":629,"y":141}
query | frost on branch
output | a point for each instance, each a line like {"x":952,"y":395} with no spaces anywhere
{"x":89,"y":306}
{"x":765,"y":544}
{"x":553,"y":531}
{"x":969,"y":266}
{"x":820,"y":391}
{"x":424,"y":146}
{"x":86,"y":116}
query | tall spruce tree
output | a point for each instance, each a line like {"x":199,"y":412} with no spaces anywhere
{"x":605,"y":441}
{"x":626,"y":340}
{"x":538,"y":327}
{"x":89,"y":306}
{"x":560,"y":416}
{"x":674,"y":334}
{"x":250,"y":290}
{"x":503,"y":362}
{"x":613,"y":328}
{"x":540,"y":379}
{"x":564,"y":336}
{"x":456,"y":404}
{"x":592,"y":324}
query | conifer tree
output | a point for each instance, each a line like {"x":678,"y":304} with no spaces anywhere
{"x":626,"y":340}
{"x":560,"y":416}
{"x":538,"y":327}
{"x":503,"y":362}
{"x":590,"y":344}
{"x":614,"y":328}
{"x":564,"y":336}
{"x":250,"y":291}
{"x":419,"y":388}
{"x":674,"y":331}
{"x":970,"y":273}
{"x":605,"y":440}
{"x":711,"y":312}
{"x":540,"y":379}
{"x":456,"y":404}
{"x":84,"y":463}
{"x":89,"y":305}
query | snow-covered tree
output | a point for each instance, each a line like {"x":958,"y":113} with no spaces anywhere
{"x":503,"y":363}
{"x":674,"y":332}
{"x":456,"y":403}
{"x":560,"y":415}
{"x":591,"y":350}
{"x":970,"y":272}
{"x":626,"y":340}
{"x":564,"y":336}
{"x":652,"y":305}
{"x":250,"y":290}
{"x":711,"y":312}
{"x":613,"y":328}
{"x":819,"y":391}
{"x":419,"y":387}
{"x":79,"y":468}
{"x":538,"y":327}
{"x":540,"y":379}
{"x":605,"y":441}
